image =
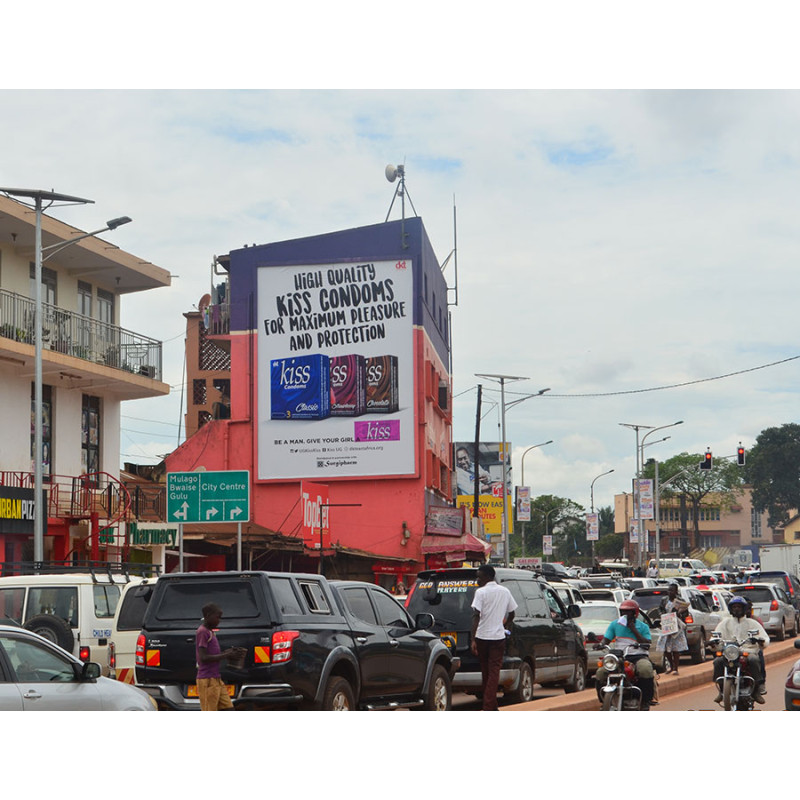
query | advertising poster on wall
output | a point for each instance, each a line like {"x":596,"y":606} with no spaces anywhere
{"x":316,"y":525}
{"x":335,"y":390}
{"x":489,"y":467}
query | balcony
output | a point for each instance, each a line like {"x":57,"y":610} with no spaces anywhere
{"x":78,"y":336}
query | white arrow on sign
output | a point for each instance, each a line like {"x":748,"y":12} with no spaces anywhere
{"x":182,"y":514}
{"x":212,"y":512}
{"x":236,"y":511}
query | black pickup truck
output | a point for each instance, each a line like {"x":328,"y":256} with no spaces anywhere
{"x":310,"y":643}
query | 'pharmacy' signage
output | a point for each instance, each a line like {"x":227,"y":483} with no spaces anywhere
{"x":145,"y":535}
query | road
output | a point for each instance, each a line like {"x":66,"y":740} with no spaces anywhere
{"x":702,"y":698}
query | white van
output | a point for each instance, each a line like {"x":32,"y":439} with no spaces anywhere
{"x":670,"y":567}
{"x":125,"y":629}
{"x":72,"y":610}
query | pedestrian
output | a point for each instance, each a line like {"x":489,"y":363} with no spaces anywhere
{"x":673,"y":644}
{"x":211,"y":690}
{"x":652,"y":569}
{"x":493,"y":613}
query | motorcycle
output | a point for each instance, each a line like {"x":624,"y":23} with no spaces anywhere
{"x":736,"y":684}
{"x":621,"y":692}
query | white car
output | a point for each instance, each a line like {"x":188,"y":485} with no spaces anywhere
{"x":37,"y":675}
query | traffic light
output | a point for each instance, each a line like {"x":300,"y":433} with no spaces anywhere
{"x":740,"y":456}
{"x":706,"y":462}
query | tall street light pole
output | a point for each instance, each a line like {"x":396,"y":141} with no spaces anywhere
{"x":522,"y":481}
{"x":656,"y":496}
{"x":591,"y":493}
{"x":39,"y":197}
{"x":502,"y":379}
{"x":636,"y":498}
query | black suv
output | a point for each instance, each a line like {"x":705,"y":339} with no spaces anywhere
{"x":545,"y":646}
{"x":337,"y":645}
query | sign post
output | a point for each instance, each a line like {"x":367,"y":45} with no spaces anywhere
{"x":215,"y":497}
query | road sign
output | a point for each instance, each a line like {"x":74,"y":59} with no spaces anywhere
{"x":208,"y":496}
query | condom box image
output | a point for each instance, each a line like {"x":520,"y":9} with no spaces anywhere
{"x":299,"y":387}
{"x":382,"y":385}
{"x":348,"y":385}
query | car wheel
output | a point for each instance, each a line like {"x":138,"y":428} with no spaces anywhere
{"x":781,"y":631}
{"x":524,"y":691}
{"x":699,"y":652}
{"x":338,"y":696}
{"x":578,"y":683}
{"x":440,"y":693}
{"x":796,"y":628}
{"x":52,"y":628}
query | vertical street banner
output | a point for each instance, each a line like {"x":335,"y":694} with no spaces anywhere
{"x":523,"y":503}
{"x":646,"y":502}
{"x":335,"y":363}
{"x":592,"y":527}
{"x":547,"y":544}
{"x":634,"y":531}
{"x":314,"y":505}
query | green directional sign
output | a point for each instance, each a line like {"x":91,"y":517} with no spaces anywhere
{"x":208,"y":496}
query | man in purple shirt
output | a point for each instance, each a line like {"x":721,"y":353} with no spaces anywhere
{"x":211,"y":690}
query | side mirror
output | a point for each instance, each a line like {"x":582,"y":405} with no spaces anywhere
{"x":90,"y":671}
{"x":797,"y":643}
{"x":574,"y":610}
{"x":424,"y":621}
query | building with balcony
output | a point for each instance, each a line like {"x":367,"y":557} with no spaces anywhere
{"x":90,"y":365}
{"x":340,"y":401}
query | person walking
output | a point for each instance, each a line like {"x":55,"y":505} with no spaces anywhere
{"x":673,"y":644}
{"x":211,"y":690}
{"x":493,"y":613}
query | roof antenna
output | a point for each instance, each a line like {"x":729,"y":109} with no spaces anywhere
{"x":392,"y":174}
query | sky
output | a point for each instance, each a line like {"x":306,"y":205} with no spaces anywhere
{"x":632,"y":250}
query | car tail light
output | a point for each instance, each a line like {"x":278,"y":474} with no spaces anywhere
{"x":112,"y":655}
{"x":84,"y":653}
{"x":282,"y":643}
{"x":793,"y":681}
{"x":688,"y":619}
{"x":773,"y":606}
{"x":141,"y":644}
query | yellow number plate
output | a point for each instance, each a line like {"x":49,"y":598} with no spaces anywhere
{"x":192,"y":690}
{"x":448,"y":633}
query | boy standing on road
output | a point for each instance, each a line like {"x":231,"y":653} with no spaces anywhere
{"x":212,"y":691}
{"x":493,"y":612}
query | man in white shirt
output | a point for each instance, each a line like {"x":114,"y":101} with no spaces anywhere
{"x":493,"y":612}
{"x":735,"y":628}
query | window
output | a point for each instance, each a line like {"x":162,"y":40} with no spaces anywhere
{"x":105,"y":306}
{"x":11,"y":601}
{"x":390,"y":613}
{"x":315,"y":597}
{"x":533,"y":599}
{"x":36,"y":664}
{"x":184,"y":600}
{"x":61,"y":601}
{"x":358,"y":602}
{"x":199,"y":391}
{"x":132,"y":612}
{"x":47,"y":429}
{"x":90,"y":434}
{"x":49,"y":284}
{"x":106,"y":598}
{"x":556,"y":609}
{"x":283,"y":591}
{"x":755,"y":524}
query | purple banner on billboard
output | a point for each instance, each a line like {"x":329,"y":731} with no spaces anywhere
{"x":387,"y":430}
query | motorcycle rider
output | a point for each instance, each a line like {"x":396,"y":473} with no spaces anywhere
{"x":735,"y":629}
{"x":624,"y":632}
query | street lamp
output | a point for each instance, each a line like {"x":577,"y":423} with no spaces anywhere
{"x":502,"y":381}
{"x":591,"y":493}
{"x":522,"y":481}
{"x":39,"y":196}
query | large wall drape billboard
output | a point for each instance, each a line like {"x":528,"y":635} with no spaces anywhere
{"x":335,"y":389}
{"x":489,"y":467}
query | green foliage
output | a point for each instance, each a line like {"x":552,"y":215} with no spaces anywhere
{"x":558,"y":516}
{"x":773,"y":469}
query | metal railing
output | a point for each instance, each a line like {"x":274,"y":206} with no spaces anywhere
{"x":80,"y":336}
{"x":101,"y":571}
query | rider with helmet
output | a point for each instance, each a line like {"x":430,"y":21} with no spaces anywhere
{"x":628,"y":631}
{"x":735,"y":629}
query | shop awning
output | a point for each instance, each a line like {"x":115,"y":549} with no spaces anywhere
{"x":456,"y":548}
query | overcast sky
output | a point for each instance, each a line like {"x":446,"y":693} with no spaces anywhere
{"x":634,"y":251}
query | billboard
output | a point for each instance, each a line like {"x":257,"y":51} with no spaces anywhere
{"x":489,"y":468}
{"x":335,"y":361}
{"x":316,"y":527}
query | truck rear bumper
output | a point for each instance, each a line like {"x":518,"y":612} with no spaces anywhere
{"x":170,"y":696}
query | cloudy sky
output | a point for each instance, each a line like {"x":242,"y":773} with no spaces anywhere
{"x":633,"y":251}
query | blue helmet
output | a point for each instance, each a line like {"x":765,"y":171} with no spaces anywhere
{"x":738,"y":601}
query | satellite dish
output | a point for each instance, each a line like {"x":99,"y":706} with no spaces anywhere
{"x":205,"y":302}
{"x":391,"y":173}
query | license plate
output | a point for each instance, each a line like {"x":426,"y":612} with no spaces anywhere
{"x":192,"y":690}
{"x":447,"y":633}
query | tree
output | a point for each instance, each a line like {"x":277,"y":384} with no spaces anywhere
{"x":558,"y":516}
{"x":681,"y":476}
{"x":773,"y":469}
